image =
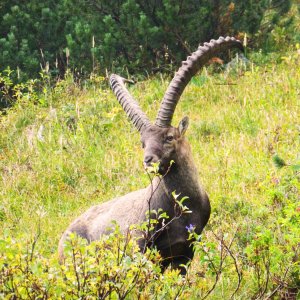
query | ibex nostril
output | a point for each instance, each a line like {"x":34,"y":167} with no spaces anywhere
{"x":148,"y":159}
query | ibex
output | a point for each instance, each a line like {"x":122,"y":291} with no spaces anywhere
{"x":162,"y":144}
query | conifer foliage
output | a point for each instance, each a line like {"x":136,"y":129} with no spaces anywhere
{"x":137,"y":35}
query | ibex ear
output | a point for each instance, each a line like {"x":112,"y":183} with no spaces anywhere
{"x":183,"y":125}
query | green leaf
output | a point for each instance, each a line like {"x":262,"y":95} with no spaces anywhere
{"x":278,"y":162}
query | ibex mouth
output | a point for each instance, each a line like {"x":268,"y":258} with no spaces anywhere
{"x":153,"y":167}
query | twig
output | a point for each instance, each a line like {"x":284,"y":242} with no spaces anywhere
{"x":280,"y":286}
{"x":218,"y":272}
{"x":36,"y":237}
{"x":235,"y":264}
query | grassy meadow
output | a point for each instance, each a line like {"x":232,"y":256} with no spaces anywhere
{"x":71,"y":146}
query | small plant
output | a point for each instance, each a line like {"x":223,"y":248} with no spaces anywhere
{"x":280,"y":163}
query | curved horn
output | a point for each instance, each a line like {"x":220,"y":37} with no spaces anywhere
{"x":187,"y":70}
{"x":129,"y":104}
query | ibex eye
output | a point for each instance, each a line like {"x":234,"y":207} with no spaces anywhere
{"x":170,"y":138}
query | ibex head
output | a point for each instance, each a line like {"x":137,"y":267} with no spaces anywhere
{"x":161,"y":144}
{"x":160,"y":140}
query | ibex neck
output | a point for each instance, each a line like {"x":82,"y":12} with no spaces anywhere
{"x":183,"y":178}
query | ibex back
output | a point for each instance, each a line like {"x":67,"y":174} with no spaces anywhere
{"x":162,"y":144}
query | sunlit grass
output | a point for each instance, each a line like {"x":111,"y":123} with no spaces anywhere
{"x":77,"y":149}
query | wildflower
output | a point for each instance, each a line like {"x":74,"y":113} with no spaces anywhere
{"x":190,"y":228}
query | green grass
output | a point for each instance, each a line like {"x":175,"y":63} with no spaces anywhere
{"x":75,"y":148}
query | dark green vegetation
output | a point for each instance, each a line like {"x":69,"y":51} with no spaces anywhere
{"x":136,"y":35}
{"x":71,"y":146}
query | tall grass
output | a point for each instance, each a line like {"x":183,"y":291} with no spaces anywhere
{"x":72,"y":147}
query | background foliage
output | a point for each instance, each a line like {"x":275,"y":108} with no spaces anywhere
{"x":135,"y":35}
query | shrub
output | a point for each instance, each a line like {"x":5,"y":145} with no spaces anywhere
{"x":111,"y":268}
{"x":141,"y":36}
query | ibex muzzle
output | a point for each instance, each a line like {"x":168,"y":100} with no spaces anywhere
{"x":162,"y":144}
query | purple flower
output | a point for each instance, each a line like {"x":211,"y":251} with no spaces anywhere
{"x":190,"y":228}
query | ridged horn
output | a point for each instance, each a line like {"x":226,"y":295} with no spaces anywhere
{"x":187,"y":70}
{"x":129,"y":104}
